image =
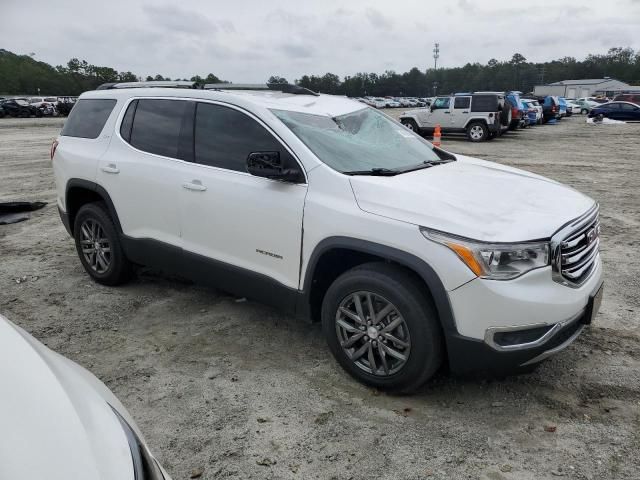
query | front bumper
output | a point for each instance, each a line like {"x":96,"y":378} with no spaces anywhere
{"x":504,"y":326}
{"x":468,"y":355}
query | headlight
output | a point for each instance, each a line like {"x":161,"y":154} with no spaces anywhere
{"x":144,"y":465}
{"x":497,"y":261}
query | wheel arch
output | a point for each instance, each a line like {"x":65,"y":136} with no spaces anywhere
{"x":78,"y":192}
{"x":476,"y":120}
{"x":335,"y":255}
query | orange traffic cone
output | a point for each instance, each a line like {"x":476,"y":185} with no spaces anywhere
{"x":436,"y":136}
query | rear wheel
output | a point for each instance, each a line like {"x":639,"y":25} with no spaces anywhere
{"x":98,"y":245}
{"x":381,"y":328}
{"x":584,"y":111}
{"x":477,"y":132}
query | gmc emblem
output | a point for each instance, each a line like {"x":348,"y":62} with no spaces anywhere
{"x":591,"y":236}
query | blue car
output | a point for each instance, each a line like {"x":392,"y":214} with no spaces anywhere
{"x":518,"y":111}
{"x":562,"y":104}
{"x":625,"y":111}
{"x":550,"y":108}
{"x":532,"y":113}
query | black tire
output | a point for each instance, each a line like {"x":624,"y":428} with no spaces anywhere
{"x":505,"y":114}
{"x":477,"y":132}
{"x":118,"y":269}
{"x":397,"y":286}
{"x":584,"y":111}
{"x":411,"y":125}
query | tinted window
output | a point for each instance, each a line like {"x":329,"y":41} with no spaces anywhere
{"x":127,"y":121}
{"x":157,"y":126}
{"x":225,"y":137}
{"x":484,"y":103}
{"x":628,"y":107}
{"x":462,"y":102}
{"x":87,"y":118}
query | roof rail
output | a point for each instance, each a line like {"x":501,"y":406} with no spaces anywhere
{"x":278,"y":87}
{"x":151,"y":84}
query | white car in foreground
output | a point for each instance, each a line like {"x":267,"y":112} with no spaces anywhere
{"x":58,"y":421}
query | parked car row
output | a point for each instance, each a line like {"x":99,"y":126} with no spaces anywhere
{"x":394,"y":102}
{"x":36,"y":106}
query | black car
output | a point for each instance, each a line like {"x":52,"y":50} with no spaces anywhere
{"x":18,"y":107}
{"x":625,"y":111}
{"x":65,"y":104}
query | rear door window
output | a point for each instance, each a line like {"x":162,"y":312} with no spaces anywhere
{"x":88,"y":117}
{"x":462,"y":102}
{"x":157,"y":126}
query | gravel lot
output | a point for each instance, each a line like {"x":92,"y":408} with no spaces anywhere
{"x":234,"y":389}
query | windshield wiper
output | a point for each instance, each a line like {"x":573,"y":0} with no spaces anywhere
{"x":425,"y":164}
{"x":375,"y":172}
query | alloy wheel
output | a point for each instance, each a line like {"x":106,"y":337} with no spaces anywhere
{"x":372,"y":333}
{"x":95,"y":246}
{"x":476,"y":132}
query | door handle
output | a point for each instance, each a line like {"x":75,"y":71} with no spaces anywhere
{"x":111,"y":168}
{"x":446,"y":112}
{"x":195,"y":185}
{"x":466,"y":111}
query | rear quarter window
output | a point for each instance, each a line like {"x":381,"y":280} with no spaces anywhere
{"x":88,"y":117}
{"x":484,"y":103}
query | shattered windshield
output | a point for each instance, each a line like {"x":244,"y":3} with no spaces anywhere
{"x":363,"y":140}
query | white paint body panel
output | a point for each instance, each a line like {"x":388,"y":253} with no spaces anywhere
{"x":55,"y":418}
{"x":239,"y":213}
{"x":474,"y":199}
{"x":527,"y":300}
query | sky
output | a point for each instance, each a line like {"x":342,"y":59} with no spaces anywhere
{"x":249,"y":40}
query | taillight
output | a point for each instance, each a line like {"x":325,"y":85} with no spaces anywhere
{"x":54,"y":145}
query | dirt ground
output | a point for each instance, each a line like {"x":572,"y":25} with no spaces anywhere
{"x":237,"y":390}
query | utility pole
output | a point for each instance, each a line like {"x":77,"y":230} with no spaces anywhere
{"x":436,"y":56}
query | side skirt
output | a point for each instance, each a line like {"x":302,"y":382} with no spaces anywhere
{"x":212,"y":273}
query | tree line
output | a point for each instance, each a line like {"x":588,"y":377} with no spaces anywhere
{"x":22,"y":74}
{"x":513,"y":74}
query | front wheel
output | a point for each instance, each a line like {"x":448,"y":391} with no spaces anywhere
{"x":477,"y":132}
{"x":381,"y":327}
{"x":410,"y":124}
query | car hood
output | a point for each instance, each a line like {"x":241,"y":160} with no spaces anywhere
{"x":475,"y":199}
{"x":54,"y":421}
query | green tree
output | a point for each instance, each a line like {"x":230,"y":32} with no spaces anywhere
{"x":275,"y":79}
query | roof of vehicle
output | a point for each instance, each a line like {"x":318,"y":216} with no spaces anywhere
{"x":331,"y":105}
{"x":616,"y":102}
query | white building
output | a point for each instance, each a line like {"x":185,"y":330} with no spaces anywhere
{"x":584,"y":88}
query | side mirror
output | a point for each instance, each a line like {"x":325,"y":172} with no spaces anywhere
{"x":270,"y":165}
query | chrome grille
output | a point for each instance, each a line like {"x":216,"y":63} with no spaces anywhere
{"x":575,"y":249}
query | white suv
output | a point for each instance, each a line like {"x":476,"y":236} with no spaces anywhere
{"x":481,"y":116}
{"x":409,"y":255}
